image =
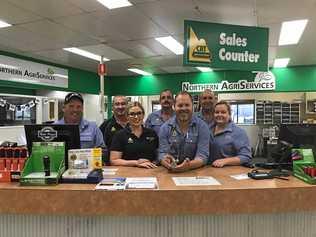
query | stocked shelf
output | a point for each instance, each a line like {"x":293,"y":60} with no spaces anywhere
{"x":276,"y":112}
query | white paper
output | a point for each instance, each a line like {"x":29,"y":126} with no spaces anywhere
{"x":109,"y":171}
{"x":195,"y":181}
{"x":240,"y":176}
{"x":142,"y":183}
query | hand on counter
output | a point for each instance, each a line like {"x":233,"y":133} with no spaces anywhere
{"x":144,"y":163}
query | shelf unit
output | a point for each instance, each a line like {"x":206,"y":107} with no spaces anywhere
{"x":276,"y":112}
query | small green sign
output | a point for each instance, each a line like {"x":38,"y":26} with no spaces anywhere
{"x":224,"y":46}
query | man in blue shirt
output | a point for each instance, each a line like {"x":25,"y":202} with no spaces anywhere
{"x":90,"y":134}
{"x":207,"y":100}
{"x":156,"y":119}
{"x":184,"y":139}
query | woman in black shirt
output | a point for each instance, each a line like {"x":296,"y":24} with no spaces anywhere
{"x":134,"y":145}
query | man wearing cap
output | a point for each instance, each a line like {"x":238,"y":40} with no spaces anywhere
{"x":156,"y":119}
{"x":184,"y":139}
{"x":90,"y":134}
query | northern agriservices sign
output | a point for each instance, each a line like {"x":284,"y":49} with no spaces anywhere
{"x":264,"y":81}
{"x":18,"y":70}
{"x":225,"y":46}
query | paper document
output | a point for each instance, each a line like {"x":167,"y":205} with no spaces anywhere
{"x":117,"y":183}
{"x":195,"y":181}
{"x":109,"y":171}
{"x":141,"y":183}
{"x":240,"y":176}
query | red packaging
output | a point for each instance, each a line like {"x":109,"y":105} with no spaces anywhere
{"x":8,"y":164}
{"x":5,"y":176}
{"x":2,"y":163}
{"x":21,"y":163}
{"x":14,"y":165}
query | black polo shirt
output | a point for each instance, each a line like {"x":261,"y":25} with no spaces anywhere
{"x":134,"y":148}
{"x":109,"y":128}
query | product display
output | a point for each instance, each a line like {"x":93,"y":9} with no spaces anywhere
{"x":45,"y":165}
{"x":84,"y":166}
{"x":304,"y":166}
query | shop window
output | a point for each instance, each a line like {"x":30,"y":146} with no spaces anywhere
{"x":243,"y":111}
{"x":16,"y":110}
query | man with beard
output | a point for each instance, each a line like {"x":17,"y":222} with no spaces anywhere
{"x":116,"y":123}
{"x":90,"y":134}
{"x":184,"y":139}
{"x":156,"y":119}
{"x":207,"y":101}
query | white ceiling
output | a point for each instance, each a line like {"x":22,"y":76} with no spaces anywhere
{"x":41,"y":28}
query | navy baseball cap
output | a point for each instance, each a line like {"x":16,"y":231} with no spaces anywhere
{"x":73,"y":95}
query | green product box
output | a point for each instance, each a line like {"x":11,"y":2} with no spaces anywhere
{"x":307,"y":160}
{"x":34,"y":170}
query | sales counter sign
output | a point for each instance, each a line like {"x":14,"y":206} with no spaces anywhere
{"x":224,"y":46}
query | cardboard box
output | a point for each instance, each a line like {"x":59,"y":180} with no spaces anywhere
{"x":34,"y":170}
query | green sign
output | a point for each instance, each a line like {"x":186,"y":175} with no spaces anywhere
{"x":225,"y":46}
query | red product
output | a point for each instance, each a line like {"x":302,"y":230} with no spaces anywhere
{"x":21,"y":163}
{"x":8,"y":164}
{"x":2,"y":162}
{"x":15,"y":164}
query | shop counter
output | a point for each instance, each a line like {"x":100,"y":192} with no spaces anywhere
{"x":231,"y":197}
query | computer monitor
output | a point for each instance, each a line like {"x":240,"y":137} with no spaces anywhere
{"x":53,"y":133}
{"x":299,"y":135}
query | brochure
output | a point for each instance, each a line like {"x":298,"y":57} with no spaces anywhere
{"x":141,"y":183}
{"x":117,"y":183}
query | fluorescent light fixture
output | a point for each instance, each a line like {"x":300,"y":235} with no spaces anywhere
{"x":112,"y":4}
{"x":60,"y":75}
{"x":281,"y":62}
{"x":204,"y":69}
{"x":170,"y":43}
{"x":86,"y":54}
{"x":291,"y":31}
{"x":4,"y":24}
{"x":138,"y":71}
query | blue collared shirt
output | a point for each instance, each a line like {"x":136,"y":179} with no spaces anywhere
{"x":193,"y":145}
{"x":155,"y":121}
{"x":232,"y":141}
{"x":210,"y":124}
{"x":90,"y":135}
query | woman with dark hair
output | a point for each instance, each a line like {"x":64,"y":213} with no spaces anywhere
{"x":134,"y":145}
{"x":231,"y":144}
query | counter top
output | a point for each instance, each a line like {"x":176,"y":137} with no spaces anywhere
{"x":231,"y":197}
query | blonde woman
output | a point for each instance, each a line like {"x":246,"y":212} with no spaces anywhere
{"x":134,"y":145}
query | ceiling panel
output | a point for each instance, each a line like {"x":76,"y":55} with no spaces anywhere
{"x":92,"y":26}
{"x":59,"y":34}
{"x":140,"y":27}
{"x":126,"y":35}
{"x":48,"y":8}
{"x":15,"y":15}
{"x":106,"y":51}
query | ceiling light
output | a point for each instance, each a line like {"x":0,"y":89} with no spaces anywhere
{"x":170,"y":43}
{"x":111,"y":4}
{"x":86,"y":54}
{"x":204,"y":69}
{"x":281,"y":62}
{"x":138,"y":71}
{"x":4,"y":24}
{"x":291,"y":31}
